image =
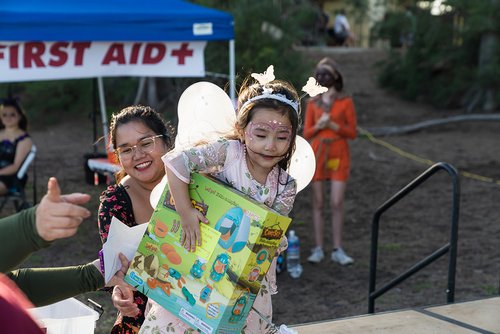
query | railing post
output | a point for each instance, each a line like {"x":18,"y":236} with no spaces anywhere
{"x":451,"y":247}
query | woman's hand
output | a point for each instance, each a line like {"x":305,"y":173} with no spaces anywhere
{"x":58,"y":216}
{"x":123,"y":300}
{"x":117,"y":279}
{"x":191,"y":234}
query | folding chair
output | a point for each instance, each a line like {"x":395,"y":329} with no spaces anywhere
{"x":16,"y":193}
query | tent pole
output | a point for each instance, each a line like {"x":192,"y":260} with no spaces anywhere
{"x":94,"y":114}
{"x":232,"y":83}
{"x":104,"y":114}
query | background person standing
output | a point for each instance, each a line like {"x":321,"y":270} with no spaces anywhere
{"x":330,"y":121}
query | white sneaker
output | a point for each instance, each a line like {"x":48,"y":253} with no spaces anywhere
{"x":317,"y":255}
{"x":341,"y":257}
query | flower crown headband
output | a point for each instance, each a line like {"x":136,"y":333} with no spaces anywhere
{"x":312,"y":88}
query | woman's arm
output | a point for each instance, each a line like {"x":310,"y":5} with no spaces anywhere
{"x":57,"y":216}
{"x":22,"y":150}
{"x":18,"y":239}
{"x":49,"y":285}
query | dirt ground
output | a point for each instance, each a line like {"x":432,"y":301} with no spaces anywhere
{"x":417,"y":226}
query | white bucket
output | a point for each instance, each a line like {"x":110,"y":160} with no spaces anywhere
{"x":69,"y":316}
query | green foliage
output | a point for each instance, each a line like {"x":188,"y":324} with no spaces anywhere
{"x":440,"y":65}
{"x":395,"y":27}
{"x":265,"y":33}
{"x":419,"y":287}
{"x":120,"y":92}
{"x":481,"y":16}
{"x":490,"y":290}
{"x":48,"y":101}
{"x":394,"y":247}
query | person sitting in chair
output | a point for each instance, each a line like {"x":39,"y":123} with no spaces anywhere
{"x":15,"y":142}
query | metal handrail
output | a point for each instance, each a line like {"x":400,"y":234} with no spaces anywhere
{"x":450,"y":247}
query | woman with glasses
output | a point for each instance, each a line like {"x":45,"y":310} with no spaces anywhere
{"x":15,"y":142}
{"x":140,"y":137}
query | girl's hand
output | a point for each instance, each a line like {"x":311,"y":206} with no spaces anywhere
{"x":334,"y":126}
{"x":323,"y":121}
{"x":191,"y":235}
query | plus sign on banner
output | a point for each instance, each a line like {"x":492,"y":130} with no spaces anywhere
{"x":27,"y":61}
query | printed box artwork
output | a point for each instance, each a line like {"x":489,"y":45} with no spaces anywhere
{"x":212,"y":289}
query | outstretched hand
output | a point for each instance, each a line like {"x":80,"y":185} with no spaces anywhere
{"x":59,"y":216}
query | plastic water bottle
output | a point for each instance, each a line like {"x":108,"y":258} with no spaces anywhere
{"x":293,"y":255}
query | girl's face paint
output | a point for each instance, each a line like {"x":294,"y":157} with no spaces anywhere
{"x":267,"y":138}
{"x":273,"y":128}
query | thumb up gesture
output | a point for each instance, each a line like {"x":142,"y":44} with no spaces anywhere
{"x":58,"y":216}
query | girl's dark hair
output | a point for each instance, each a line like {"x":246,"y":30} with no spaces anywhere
{"x":12,"y":102}
{"x":245,"y":115}
{"x":146,"y":115}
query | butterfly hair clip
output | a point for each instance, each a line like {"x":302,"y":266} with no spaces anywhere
{"x":313,"y":88}
{"x":266,"y":77}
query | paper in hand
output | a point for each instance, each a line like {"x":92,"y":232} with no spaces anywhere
{"x":121,"y":239}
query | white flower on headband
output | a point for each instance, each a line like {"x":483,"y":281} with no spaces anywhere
{"x":266,"y":77}
{"x":267,"y":90}
{"x":313,"y":88}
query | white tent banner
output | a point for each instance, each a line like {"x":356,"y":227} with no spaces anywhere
{"x":30,"y":61}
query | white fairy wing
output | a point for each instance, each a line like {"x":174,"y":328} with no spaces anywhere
{"x":302,"y":163}
{"x":205,"y":113}
{"x":157,"y":191}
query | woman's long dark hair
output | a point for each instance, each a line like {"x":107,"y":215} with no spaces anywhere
{"x":12,"y":102}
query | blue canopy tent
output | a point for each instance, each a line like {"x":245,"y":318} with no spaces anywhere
{"x":111,"y":21}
